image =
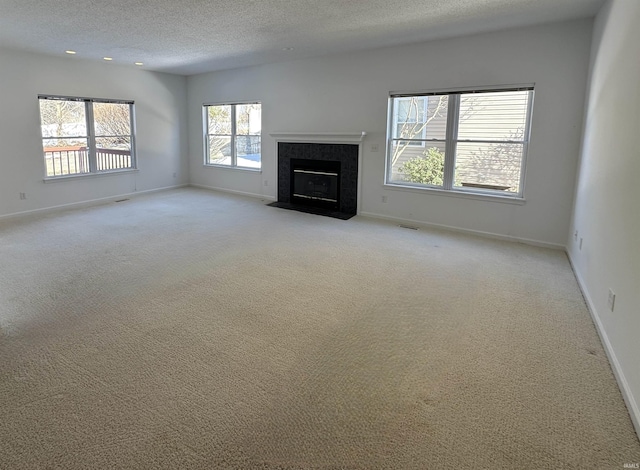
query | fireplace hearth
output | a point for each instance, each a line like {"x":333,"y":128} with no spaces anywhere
{"x":318,"y":178}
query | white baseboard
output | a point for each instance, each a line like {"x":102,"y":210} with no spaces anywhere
{"x":496,"y":236}
{"x":627,"y":394}
{"x":233,"y":191}
{"x":88,"y":203}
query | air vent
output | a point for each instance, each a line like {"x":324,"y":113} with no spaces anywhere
{"x":408,"y":227}
{"x":122,"y":200}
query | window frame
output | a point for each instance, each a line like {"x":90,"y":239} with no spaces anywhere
{"x":233,"y":136}
{"x":91,"y":136}
{"x":451,"y":140}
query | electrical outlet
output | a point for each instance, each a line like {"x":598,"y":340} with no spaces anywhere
{"x":175,"y":174}
{"x":611,"y":300}
{"x":384,"y":199}
{"x":580,"y":246}
{"x":266,"y":182}
{"x":23,"y":195}
{"x":374,"y":147}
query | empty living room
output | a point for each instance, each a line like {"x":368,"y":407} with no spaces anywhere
{"x":319,"y":235}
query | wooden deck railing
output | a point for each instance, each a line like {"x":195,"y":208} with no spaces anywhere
{"x":112,"y":159}
{"x":74,"y":160}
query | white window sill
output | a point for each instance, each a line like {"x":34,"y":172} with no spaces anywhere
{"x":57,"y":179}
{"x":229,"y":167}
{"x":459,"y":194}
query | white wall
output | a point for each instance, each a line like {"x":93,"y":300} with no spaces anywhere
{"x":607,"y":211}
{"x":160,"y":101}
{"x":349,"y":92}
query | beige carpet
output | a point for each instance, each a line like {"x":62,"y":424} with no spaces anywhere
{"x":191,"y":329}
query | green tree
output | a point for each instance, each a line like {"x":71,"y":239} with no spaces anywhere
{"x":428,"y":168}
{"x":412,"y":129}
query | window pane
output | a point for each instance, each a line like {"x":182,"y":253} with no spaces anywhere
{"x":62,"y":118}
{"x":219,"y":150}
{"x":248,"y":151}
{"x":489,"y":166}
{"x":248,"y":119}
{"x":65,"y":157}
{"x":420,"y":117}
{"x":113,"y":153}
{"x":219,"y":118}
{"x":112,"y":119}
{"x":417,"y":165}
{"x":493,"y":116}
{"x":412,"y":109}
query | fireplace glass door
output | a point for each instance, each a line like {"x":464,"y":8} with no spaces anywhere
{"x":316,"y":183}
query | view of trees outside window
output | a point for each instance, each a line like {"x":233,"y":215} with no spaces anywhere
{"x":234,"y":135}
{"x":112,"y":124}
{"x":219,"y":133}
{"x":419,"y":143}
{"x":74,"y":145}
{"x":64,"y":137}
{"x":488,"y":139}
{"x":425,"y":169}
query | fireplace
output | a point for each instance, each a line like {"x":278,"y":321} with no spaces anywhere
{"x":318,"y":177}
{"x":315,"y":183}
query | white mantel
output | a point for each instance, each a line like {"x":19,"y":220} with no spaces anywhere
{"x":320,"y":137}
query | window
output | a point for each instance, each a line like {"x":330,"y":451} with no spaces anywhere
{"x":232,"y":135}
{"x":461,"y":141}
{"x":84,"y":135}
{"x":410,"y":119}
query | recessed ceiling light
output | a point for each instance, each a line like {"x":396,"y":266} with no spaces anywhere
{"x":108,"y":58}
{"x":70,"y":52}
{"x":139,"y":63}
{"x":287,"y":48}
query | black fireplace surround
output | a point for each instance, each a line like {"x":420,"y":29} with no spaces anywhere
{"x":319,"y":175}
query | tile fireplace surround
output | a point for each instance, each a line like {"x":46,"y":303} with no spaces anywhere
{"x":335,"y":147}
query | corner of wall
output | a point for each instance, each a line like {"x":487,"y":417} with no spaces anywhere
{"x":625,"y":389}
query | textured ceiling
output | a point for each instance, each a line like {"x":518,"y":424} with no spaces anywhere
{"x":192,"y":36}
